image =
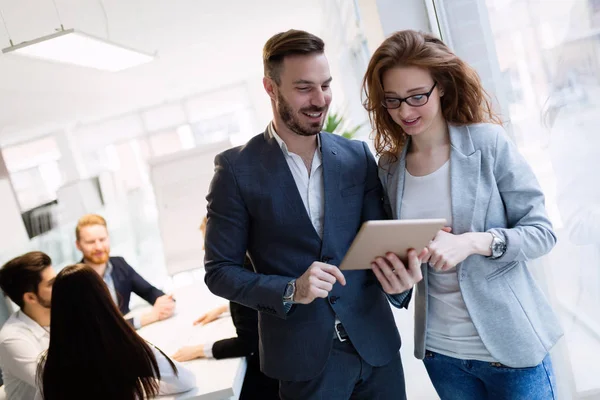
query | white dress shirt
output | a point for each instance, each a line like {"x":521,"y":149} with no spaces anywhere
{"x":169,"y":382}
{"x":22,"y":342}
{"x":310,"y":186}
{"x":110,"y":283}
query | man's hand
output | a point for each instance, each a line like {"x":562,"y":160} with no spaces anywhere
{"x":393,"y":276}
{"x":317,"y":282}
{"x":188,"y":353}
{"x":163,"y":308}
{"x":212,"y":315}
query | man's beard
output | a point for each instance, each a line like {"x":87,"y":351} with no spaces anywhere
{"x":44,"y":303}
{"x":292,"y":121}
{"x":102,"y":259}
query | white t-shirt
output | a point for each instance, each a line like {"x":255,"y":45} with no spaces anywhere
{"x":450,"y":330}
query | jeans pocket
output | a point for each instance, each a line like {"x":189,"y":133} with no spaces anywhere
{"x":501,"y":367}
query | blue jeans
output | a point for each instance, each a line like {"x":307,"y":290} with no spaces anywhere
{"x":455,"y":379}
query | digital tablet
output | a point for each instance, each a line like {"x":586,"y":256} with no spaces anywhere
{"x":376,"y":238}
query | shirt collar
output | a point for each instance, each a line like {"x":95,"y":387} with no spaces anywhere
{"x":38,"y":331}
{"x":272,"y":133}
{"x":109,"y":268}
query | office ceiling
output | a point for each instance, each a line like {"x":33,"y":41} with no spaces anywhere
{"x":200,"y":45}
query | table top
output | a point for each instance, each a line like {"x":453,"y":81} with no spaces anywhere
{"x":215,"y":379}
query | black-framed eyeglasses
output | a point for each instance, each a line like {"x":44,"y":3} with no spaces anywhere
{"x":416,"y":100}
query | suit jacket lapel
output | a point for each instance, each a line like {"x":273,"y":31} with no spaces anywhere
{"x":331,"y":166}
{"x":274,"y":163}
{"x":397,"y":182}
{"x":465,"y":168}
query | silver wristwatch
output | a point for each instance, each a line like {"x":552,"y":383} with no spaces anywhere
{"x":290,"y":291}
{"x":498,"y":246}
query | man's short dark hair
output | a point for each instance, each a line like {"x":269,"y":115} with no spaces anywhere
{"x":23,"y":274}
{"x":292,"y":42}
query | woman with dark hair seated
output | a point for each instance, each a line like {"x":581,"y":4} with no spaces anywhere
{"x":94,"y":353}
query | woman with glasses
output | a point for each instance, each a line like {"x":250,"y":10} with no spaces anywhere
{"x":94,"y":353}
{"x":482,"y":325}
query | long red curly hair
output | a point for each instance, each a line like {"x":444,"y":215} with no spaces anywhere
{"x":464,"y":101}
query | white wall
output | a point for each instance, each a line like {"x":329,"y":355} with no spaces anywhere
{"x":405,"y":14}
{"x":12,"y":231}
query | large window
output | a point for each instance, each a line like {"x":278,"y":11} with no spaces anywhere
{"x":34,"y":171}
{"x":549,"y":52}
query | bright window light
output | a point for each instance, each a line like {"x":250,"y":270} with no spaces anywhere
{"x":72,"y":47}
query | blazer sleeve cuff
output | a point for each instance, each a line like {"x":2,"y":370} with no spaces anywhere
{"x":400,"y":300}
{"x":513,"y":244}
{"x":271,"y":300}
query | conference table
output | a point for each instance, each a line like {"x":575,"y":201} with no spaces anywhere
{"x":215,"y":379}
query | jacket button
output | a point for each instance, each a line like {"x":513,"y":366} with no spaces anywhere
{"x":333,"y":299}
{"x":325,"y":259}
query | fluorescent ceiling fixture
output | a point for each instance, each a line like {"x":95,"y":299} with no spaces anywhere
{"x":72,"y":47}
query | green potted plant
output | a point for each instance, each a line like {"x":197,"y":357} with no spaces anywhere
{"x":335,"y":123}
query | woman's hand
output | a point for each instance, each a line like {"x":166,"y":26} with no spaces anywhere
{"x":392,"y":274}
{"x":188,"y":353}
{"x":447,"y":250}
{"x":212,"y":315}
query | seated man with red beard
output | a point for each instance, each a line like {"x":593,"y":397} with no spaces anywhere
{"x":93,"y":241}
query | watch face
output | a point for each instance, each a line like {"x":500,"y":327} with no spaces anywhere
{"x":498,"y":248}
{"x":289,"y":290}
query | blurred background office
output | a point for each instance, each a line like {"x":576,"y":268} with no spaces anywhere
{"x":132,"y":136}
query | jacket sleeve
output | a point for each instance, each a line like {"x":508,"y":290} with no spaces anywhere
{"x":225,"y":248}
{"x":529,"y":233}
{"x":142,"y":287}
{"x":235,"y":347}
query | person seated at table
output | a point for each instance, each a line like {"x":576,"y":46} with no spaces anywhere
{"x":27,"y":280}
{"x":94,"y":242}
{"x":94,"y":353}
{"x":256,"y":384}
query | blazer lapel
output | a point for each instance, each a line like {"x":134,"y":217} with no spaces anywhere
{"x":331,"y":168}
{"x":465,"y":168}
{"x":397,"y":182}
{"x":274,"y":163}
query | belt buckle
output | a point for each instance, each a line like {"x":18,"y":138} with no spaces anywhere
{"x":338,"y":333}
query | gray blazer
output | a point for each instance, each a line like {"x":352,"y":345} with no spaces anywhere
{"x":493,"y":189}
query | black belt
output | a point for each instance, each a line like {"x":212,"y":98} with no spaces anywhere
{"x":340,"y":332}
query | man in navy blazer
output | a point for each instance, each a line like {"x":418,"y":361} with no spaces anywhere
{"x":120,"y":278}
{"x":293,"y":199}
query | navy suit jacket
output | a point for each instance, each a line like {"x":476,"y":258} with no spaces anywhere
{"x":126,"y":280}
{"x":254,"y":206}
